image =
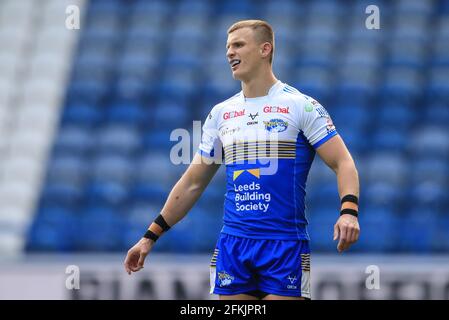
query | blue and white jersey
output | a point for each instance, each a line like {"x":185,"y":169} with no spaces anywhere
{"x":268,"y":145}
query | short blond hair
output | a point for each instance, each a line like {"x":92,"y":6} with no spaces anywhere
{"x":262,"y":31}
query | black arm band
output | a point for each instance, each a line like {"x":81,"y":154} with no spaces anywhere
{"x":350,"y":198}
{"x":151,"y":235}
{"x":352,"y":212}
{"x":162,"y":223}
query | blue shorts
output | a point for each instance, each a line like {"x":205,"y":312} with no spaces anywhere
{"x":241,"y":265}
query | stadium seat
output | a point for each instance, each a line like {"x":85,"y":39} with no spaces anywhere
{"x":139,"y":71}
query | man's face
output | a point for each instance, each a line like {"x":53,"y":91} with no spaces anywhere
{"x":243,"y":53}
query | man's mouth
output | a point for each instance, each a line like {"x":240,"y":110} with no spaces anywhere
{"x":234,"y":63}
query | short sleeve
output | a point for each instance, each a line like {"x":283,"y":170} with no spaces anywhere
{"x":210,"y":140}
{"x":316,"y":123}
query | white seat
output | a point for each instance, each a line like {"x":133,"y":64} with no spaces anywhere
{"x":36,"y":120}
{"x":47,"y":92}
{"x":7,"y":91}
{"x":13,"y":215}
{"x":49,"y":60}
{"x":22,"y":168}
{"x":11,"y":244}
{"x":31,"y":144}
{"x":9,"y":63}
{"x":14,"y":191}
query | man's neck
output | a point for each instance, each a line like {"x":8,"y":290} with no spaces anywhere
{"x":258,"y":86}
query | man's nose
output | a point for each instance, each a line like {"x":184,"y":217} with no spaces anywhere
{"x":230,"y":53}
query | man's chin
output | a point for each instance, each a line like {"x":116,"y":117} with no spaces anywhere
{"x":237,"y":76}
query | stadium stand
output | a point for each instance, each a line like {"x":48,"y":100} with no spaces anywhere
{"x":34,"y":51}
{"x":144,"y":68}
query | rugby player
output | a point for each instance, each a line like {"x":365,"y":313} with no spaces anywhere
{"x":268,"y":135}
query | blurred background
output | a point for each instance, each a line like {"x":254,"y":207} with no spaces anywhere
{"x":86,"y":117}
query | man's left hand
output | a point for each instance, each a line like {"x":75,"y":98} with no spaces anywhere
{"x":347,"y":229}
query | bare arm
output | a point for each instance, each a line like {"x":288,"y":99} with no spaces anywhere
{"x":335,"y":154}
{"x":180,"y":200}
{"x":187,"y":190}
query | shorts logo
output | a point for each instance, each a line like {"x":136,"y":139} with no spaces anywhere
{"x":292,"y":280}
{"x":276,"y":125}
{"x":225,"y":278}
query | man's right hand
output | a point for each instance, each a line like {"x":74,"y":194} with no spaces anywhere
{"x":136,"y":255}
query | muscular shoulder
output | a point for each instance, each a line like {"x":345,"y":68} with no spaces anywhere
{"x":216,"y":110}
{"x":296,"y":98}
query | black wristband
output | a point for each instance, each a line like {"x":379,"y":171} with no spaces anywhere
{"x":151,"y":235}
{"x":350,"y":198}
{"x":162,"y":223}
{"x":352,"y":212}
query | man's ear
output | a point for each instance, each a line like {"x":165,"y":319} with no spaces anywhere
{"x":265,"y":49}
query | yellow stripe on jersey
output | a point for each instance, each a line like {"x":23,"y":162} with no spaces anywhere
{"x":253,"y":150}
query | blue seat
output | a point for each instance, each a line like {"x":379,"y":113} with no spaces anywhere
{"x":236,"y":7}
{"x":52,"y":230}
{"x":358,"y":113}
{"x":282,"y":8}
{"x":124,"y":139}
{"x":105,"y":7}
{"x":73,"y":139}
{"x":149,"y":191}
{"x":207,"y":226}
{"x":437,"y":88}
{"x":91,"y":237}
{"x":195,"y":7}
{"x":158,"y":7}
{"x":418,"y":232}
{"x":390,"y":138}
{"x":428,"y":168}
{"x":314,"y":82}
{"x":321,"y":227}
{"x":106,"y":193}
{"x":139,"y":61}
{"x":127,"y":114}
{"x":71,"y":169}
{"x":81,"y":115}
{"x":156,"y":167}
{"x":386,"y":167}
{"x":385,"y":195}
{"x":355,"y":139}
{"x":409,"y":54}
{"x":130,"y":89}
{"x":180,"y":239}
{"x":110,"y":167}
{"x":158,"y":140}
{"x":68,"y":168}
{"x":170,"y":115}
{"x":87,"y":91}
{"x":213,"y":196}
{"x":62,"y":193}
{"x":401,"y":116}
{"x":430,"y":194}
{"x":441,"y":243}
{"x":430,"y":140}
{"x":378,"y":230}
